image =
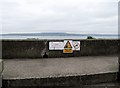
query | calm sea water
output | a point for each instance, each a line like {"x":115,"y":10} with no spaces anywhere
{"x":59,"y":37}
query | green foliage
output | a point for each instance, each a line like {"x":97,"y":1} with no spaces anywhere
{"x":90,"y":37}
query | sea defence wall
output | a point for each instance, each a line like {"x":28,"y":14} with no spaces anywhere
{"x":37,"y":48}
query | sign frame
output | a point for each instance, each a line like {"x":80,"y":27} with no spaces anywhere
{"x":68,"y":47}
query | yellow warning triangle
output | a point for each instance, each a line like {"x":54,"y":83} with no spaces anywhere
{"x":68,"y":45}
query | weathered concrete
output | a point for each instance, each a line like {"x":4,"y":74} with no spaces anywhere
{"x":63,"y":71}
{"x":56,"y":82}
{"x":1,"y":66}
{"x":36,"y":48}
{"x":56,"y":72}
{"x":119,"y":60}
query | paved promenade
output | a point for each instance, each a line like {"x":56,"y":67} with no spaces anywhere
{"x":57,"y":67}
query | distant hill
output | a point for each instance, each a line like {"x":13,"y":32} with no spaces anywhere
{"x":55,"y":34}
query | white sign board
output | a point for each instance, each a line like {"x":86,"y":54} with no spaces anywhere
{"x":76,"y":45}
{"x":56,"y":45}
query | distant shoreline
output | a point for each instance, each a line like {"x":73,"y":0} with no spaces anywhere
{"x":55,"y":34}
{"x":57,"y":37}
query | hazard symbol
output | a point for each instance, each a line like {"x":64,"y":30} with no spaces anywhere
{"x":76,"y":45}
{"x":68,"y":45}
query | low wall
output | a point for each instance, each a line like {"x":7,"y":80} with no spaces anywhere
{"x":67,"y":81}
{"x":37,"y":48}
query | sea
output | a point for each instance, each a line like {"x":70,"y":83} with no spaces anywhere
{"x":58,"y":37}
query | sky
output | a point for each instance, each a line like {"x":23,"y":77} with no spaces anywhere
{"x":71,"y":16}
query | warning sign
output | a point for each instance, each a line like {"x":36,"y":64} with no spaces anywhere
{"x":76,"y":45}
{"x":68,"y":48}
{"x":56,"y":45}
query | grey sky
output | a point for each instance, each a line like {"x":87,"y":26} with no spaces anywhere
{"x":73,"y":16}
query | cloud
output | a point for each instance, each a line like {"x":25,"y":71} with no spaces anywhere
{"x":76,"y":16}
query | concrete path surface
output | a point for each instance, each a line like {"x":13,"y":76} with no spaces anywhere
{"x":56,"y":67}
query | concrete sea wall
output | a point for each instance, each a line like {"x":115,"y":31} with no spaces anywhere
{"x":68,"y":81}
{"x":37,"y":48}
